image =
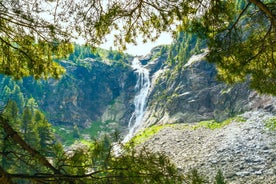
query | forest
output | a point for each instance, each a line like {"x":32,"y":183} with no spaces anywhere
{"x":38,"y":47}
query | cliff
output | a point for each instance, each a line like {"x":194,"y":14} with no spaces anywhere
{"x":190,"y":92}
{"x":92,"y":90}
{"x":187,"y":118}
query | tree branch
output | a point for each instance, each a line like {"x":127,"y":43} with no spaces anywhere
{"x":239,"y":17}
{"x":265,"y":10}
{"x":17,"y":139}
{"x":4,"y":177}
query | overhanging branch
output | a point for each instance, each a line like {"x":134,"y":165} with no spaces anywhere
{"x":17,"y":139}
{"x":266,"y":10}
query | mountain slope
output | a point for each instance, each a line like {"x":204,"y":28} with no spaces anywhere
{"x":95,"y":87}
{"x":185,"y":92}
{"x":185,"y":89}
{"x":244,"y":149}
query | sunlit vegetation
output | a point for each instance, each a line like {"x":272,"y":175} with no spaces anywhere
{"x":149,"y":132}
{"x":271,"y":123}
{"x":240,"y":36}
{"x":146,"y":134}
{"x":68,"y":135}
{"x":89,"y":162}
{"x":212,"y":124}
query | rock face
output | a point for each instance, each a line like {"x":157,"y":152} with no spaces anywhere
{"x":244,"y":151}
{"x":93,"y":91}
{"x":192,"y":94}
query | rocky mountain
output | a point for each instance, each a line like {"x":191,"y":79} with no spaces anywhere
{"x":193,"y":94}
{"x":87,"y":94}
{"x":191,"y":109}
{"x":244,"y":149}
{"x":94,"y":89}
{"x":190,"y":92}
{"x":100,"y":89}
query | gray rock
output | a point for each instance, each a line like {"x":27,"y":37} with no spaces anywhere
{"x":225,"y":148}
{"x":193,"y":94}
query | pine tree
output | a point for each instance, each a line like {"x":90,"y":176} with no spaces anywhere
{"x":46,"y":135}
{"x":32,"y":105}
{"x":193,"y":177}
{"x":29,"y":128}
{"x":11,"y":112}
{"x":219,"y":179}
{"x":18,"y":97}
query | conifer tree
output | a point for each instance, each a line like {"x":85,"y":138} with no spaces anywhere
{"x":219,"y":179}
{"x":29,"y":128}
{"x":46,"y":135}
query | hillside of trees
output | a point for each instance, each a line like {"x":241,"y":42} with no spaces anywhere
{"x":240,"y":36}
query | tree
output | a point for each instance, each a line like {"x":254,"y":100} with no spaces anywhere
{"x":242,"y":41}
{"x":240,"y":36}
{"x":241,"y":33}
{"x":96,"y":163}
{"x":76,"y":131}
{"x":45,"y":133}
{"x":11,"y":113}
{"x":29,"y":43}
{"x":219,"y":179}
{"x":193,"y":177}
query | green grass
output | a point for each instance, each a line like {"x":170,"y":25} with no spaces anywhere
{"x":148,"y":133}
{"x":271,"y":123}
{"x":211,"y":124}
{"x":208,"y":124}
{"x":94,"y":129}
{"x":65,"y":133}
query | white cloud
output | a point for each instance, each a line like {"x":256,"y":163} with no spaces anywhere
{"x":141,"y":48}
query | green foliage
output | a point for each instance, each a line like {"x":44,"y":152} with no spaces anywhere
{"x":76,"y":132}
{"x":11,"y":112}
{"x":82,"y":52}
{"x":193,"y":177}
{"x":68,"y":135}
{"x":23,"y":56}
{"x":45,"y":133}
{"x":271,"y":123}
{"x":96,"y":128}
{"x":93,"y":163}
{"x":212,"y":124}
{"x":183,"y":48}
{"x":219,"y":179}
{"x":132,"y":166}
{"x":96,"y":161}
{"x":147,"y":134}
{"x":240,"y":34}
{"x":240,"y":42}
{"x":64,"y":134}
{"x":11,"y":91}
{"x":34,"y":129}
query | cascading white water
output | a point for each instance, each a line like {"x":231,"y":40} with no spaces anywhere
{"x":142,"y":87}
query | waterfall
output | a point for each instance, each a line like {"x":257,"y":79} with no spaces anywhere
{"x":142,"y":89}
